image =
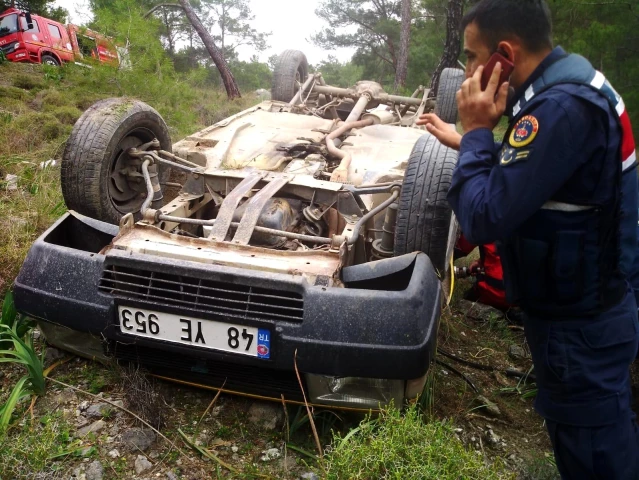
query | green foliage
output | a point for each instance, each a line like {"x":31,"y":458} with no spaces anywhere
{"x":339,"y":74}
{"x":31,"y":449}
{"x":33,"y":383}
{"x":606,"y":34}
{"x":400,"y":446}
{"x":67,"y":115}
{"x":45,"y":8}
{"x":28,"y":82}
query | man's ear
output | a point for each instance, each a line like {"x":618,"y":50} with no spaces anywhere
{"x":508,"y":50}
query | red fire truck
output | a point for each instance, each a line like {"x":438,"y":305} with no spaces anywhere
{"x":35,"y":39}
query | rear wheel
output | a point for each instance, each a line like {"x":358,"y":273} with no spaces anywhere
{"x":450,"y":82}
{"x":291,"y":70}
{"x":99,"y":179}
{"x":425,"y":221}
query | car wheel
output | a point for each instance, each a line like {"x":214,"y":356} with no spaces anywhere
{"x":450,"y":82}
{"x":291,"y":70}
{"x":425,"y":221}
{"x":50,"y":60}
{"x":99,"y":179}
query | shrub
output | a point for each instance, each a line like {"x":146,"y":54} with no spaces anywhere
{"x":28,"y":82}
{"x":67,"y":115}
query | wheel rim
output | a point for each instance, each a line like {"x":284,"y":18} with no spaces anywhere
{"x":127,"y":188}
{"x":50,"y":61}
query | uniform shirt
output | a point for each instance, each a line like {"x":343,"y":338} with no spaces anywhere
{"x":495,"y":190}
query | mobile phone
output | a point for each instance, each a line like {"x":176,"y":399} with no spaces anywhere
{"x":506,"y":69}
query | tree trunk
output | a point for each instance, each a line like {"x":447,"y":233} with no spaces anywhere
{"x":402,"y":61}
{"x":452,"y":49}
{"x":230,"y":84}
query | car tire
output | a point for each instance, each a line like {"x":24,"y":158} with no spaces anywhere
{"x":425,"y":221}
{"x":92,"y":178}
{"x":450,"y":82}
{"x":291,"y":68}
{"x":49,"y":60}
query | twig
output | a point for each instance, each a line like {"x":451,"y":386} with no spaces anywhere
{"x":209,"y":407}
{"x":208,"y":454}
{"x":489,"y":420}
{"x":308,"y":409}
{"x":458,"y":373}
{"x":479,"y":366}
{"x":126,"y":410}
{"x":525,"y":376}
{"x":288,"y":429}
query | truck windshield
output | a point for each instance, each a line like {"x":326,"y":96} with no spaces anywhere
{"x":8,"y":24}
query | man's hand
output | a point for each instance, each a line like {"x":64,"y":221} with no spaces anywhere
{"x":482,"y":109}
{"x":340,"y":174}
{"x":444,"y":132}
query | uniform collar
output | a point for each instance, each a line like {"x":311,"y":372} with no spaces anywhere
{"x":556,"y":54}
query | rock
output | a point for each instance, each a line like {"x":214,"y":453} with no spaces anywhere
{"x":288,"y":463}
{"x":492,"y":438}
{"x":263,"y":94}
{"x":114,"y":453}
{"x":234,"y":449}
{"x":267,"y":415}
{"x":95,"y":471}
{"x":65,"y":397}
{"x":98,"y":410}
{"x":118,"y":403}
{"x":95,"y":427}
{"x":517,"y":352}
{"x":309,"y":476}
{"x":270,"y":454}
{"x":12,"y":182}
{"x":142,"y":464}
{"x":52,"y":355}
{"x":86,"y":451}
{"x":479,"y":311}
{"x":83,"y":406}
{"x":171,"y":476}
{"x":503,"y":381}
{"x":488,"y":405}
{"x":138,"y":439}
{"x":36,"y":334}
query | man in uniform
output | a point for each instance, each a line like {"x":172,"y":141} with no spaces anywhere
{"x":559,"y":196}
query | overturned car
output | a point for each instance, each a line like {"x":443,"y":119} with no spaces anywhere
{"x":310,"y":235}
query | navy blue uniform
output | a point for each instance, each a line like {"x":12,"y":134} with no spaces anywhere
{"x":559,"y":196}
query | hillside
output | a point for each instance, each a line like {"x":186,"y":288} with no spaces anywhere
{"x":38,"y":107}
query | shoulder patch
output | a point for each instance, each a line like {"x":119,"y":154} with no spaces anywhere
{"x":524,"y":131}
{"x":509,"y":155}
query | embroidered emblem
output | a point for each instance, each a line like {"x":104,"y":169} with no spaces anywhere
{"x":510,"y":155}
{"x":524,"y":131}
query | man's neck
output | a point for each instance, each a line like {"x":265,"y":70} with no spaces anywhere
{"x":526,"y":66}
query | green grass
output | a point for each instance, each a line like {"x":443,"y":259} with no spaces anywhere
{"x":31,"y":449}
{"x":401,"y":446}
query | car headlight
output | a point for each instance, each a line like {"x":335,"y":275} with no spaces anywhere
{"x":11,"y":48}
{"x":355,"y":392}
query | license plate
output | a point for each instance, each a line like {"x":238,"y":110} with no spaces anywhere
{"x":254,"y":342}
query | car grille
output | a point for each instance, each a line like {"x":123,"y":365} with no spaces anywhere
{"x":211,"y":296}
{"x":239,"y":378}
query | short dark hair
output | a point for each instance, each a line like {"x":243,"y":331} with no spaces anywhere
{"x":498,"y":20}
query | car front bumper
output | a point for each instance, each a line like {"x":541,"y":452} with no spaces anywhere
{"x":376,"y":333}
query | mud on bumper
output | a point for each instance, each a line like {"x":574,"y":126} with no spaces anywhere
{"x":382,"y":325}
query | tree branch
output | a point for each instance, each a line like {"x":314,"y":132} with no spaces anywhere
{"x":167,"y":5}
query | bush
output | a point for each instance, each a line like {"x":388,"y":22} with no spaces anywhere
{"x":28,"y":82}
{"x":402,"y":446}
{"x":52,"y":99}
{"x":67,"y":115}
{"x":13,"y":92}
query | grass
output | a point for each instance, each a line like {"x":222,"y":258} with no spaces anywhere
{"x":401,"y":446}
{"x":34,"y":448}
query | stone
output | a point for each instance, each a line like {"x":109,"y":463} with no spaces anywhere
{"x":52,"y":355}
{"x":234,"y":449}
{"x":98,"y":410}
{"x":12,"y":182}
{"x":95,"y":471}
{"x":517,"y":352}
{"x":114,"y":453}
{"x":142,"y":464}
{"x":503,"y":381}
{"x":84,"y":405}
{"x":269,"y":416}
{"x":309,"y":476}
{"x":95,"y":427}
{"x":270,"y":454}
{"x":171,"y":476}
{"x":479,"y":311}
{"x":65,"y":397}
{"x":288,"y":463}
{"x":488,"y":405}
{"x":138,"y":439}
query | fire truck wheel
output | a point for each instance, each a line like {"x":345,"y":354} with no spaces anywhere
{"x":291,"y":71}
{"x":450,"y":81}
{"x":99,"y":179}
{"x":425,"y":221}
{"x":50,"y":60}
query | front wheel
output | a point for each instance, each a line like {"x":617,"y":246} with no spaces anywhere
{"x":50,"y":60}
{"x":99,"y":179}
